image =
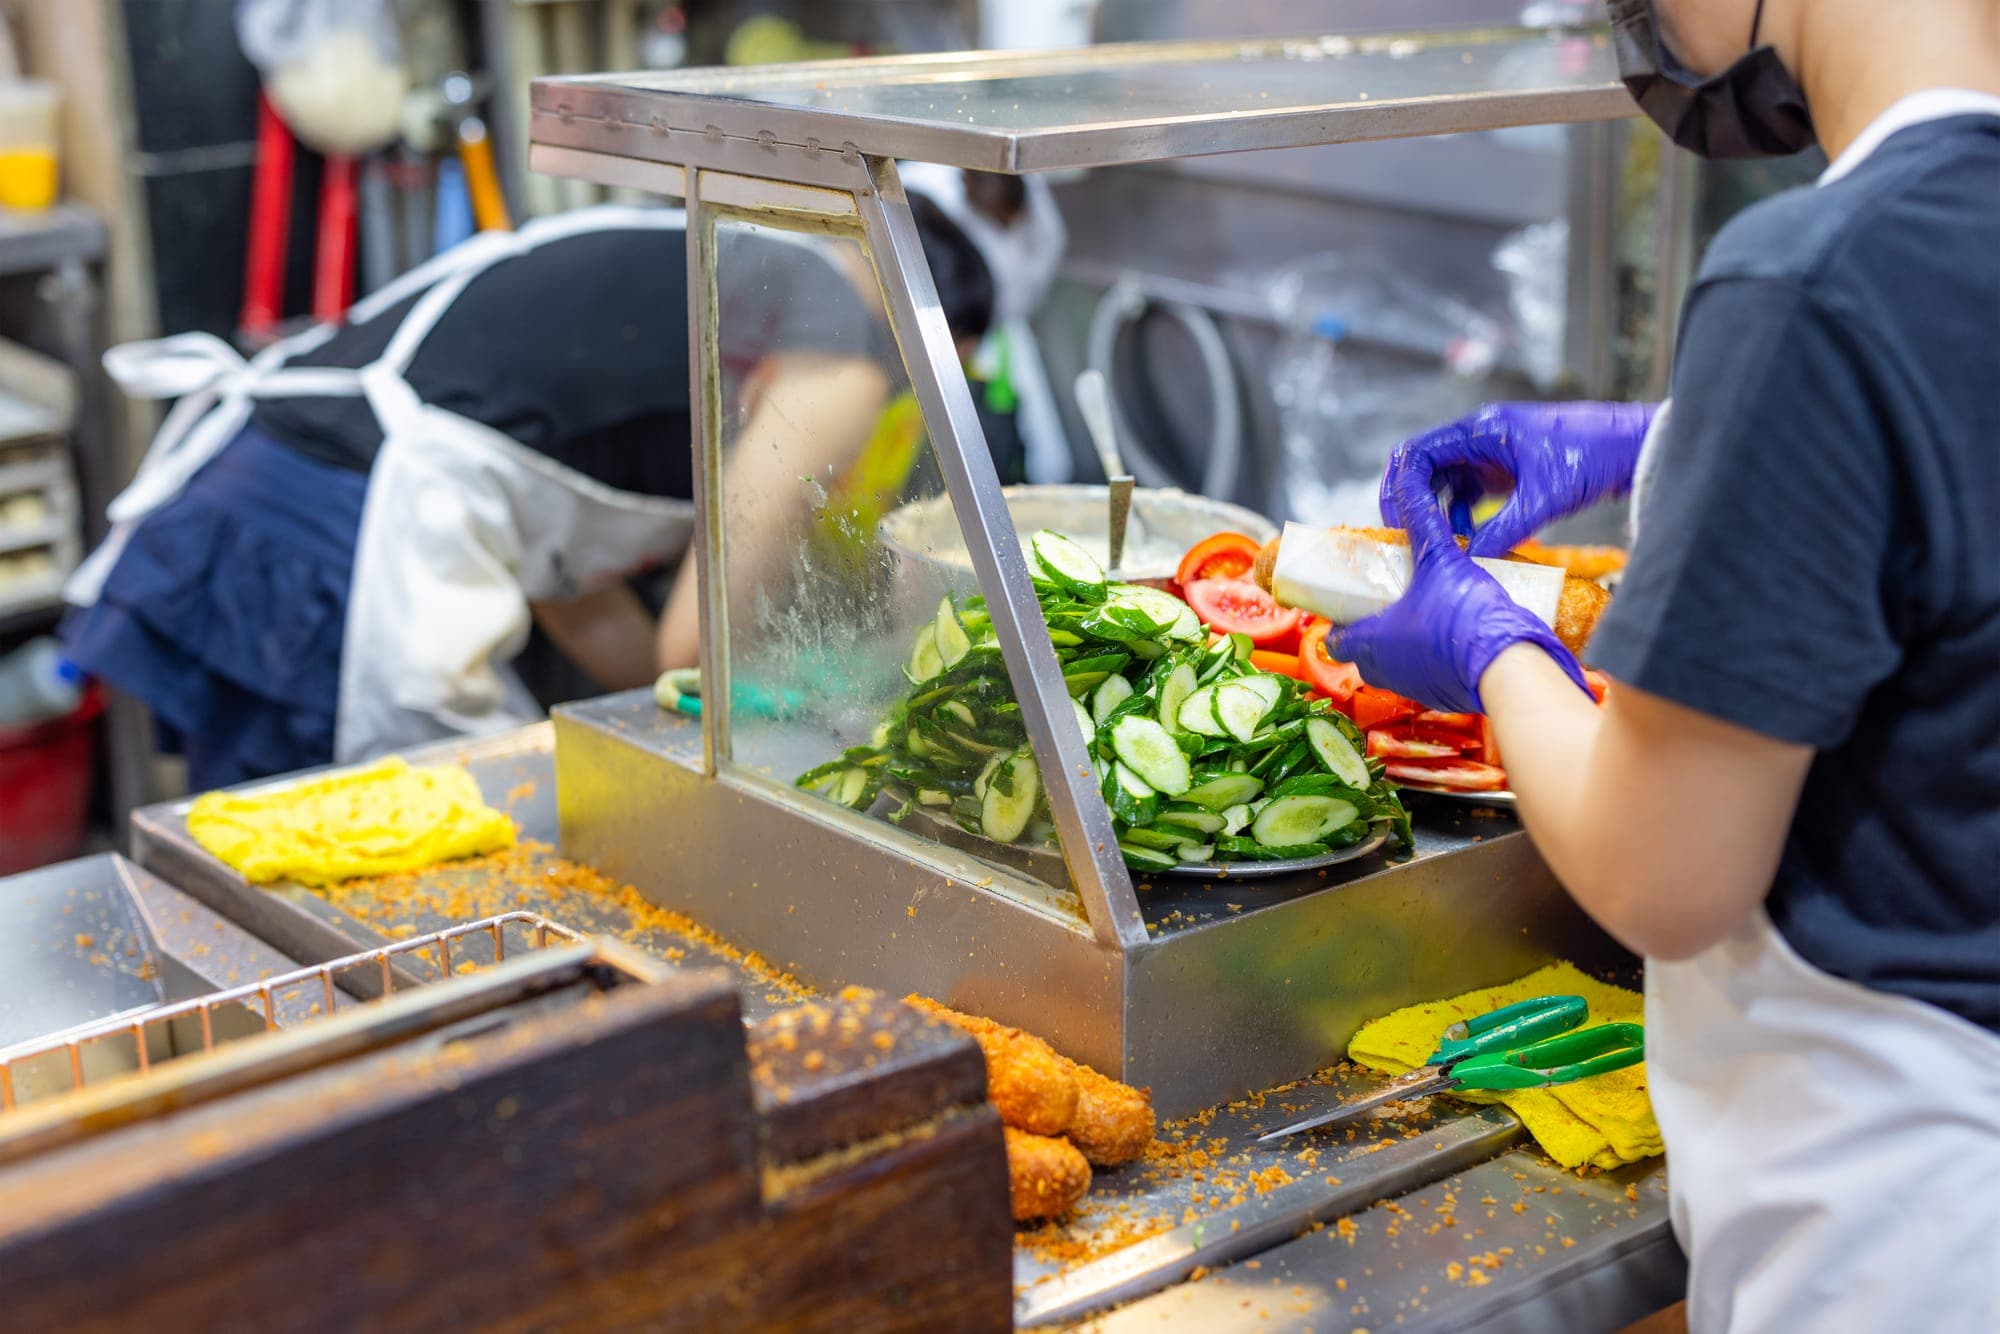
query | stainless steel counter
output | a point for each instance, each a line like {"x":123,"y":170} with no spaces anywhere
{"x":1435,"y":1242}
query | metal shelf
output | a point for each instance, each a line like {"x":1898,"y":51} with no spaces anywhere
{"x":1112,"y":104}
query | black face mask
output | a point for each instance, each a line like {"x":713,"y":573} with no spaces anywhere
{"x":1752,"y":109}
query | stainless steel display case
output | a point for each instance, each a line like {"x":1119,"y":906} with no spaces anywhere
{"x":1201,"y":992}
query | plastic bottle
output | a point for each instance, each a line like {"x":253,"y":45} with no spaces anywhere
{"x":37,"y":683}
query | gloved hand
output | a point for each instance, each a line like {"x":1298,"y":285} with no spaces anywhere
{"x":1436,"y":641}
{"x":1558,"y":457}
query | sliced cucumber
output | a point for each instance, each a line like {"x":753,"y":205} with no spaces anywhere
{"x":949,"y":636}
{"x":1290,"y":821}
{"x":1114,"y":690}
{"x":930,"y":796}
{"x":1147,"y":859}
{"x":1235,"y":820}
{"x":1269,"y":688}
{"x":1197,"y":852}
{"x":1083,"y":720}
{"x":1152,"y":753}
{"x":849,"y":788}
{"x":1173,"y":693}
{"x":958,"y":709}
{"x":925,"y":662}
{"x":1238,"y":708}
{"x":1165,"y":840}
{"x":1324,"y":785}
{"x":1198,"y":819}
{"x":1132,"y":801}
{"x":1175,"y":618}
{"x":1249,"y":849}
{"x":1009,"y":801}
{"x":1068,"y":565}
{"x":1337,"y":753}
{"x":1197,"y":714}
{"x":1217,"y":657}
{"x":1222,"y":791}
{"x":1135,"y":787}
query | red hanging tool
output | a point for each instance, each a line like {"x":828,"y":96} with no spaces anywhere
{"x":333,"y":262}
{"x":270,"y":225}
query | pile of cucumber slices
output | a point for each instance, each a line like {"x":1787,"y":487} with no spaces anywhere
{"x":1202,"y":757}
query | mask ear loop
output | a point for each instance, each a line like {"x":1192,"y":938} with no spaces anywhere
{"x":1756,"y":23}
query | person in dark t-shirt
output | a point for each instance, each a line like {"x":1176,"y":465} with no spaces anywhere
{"x":1790,"y":800}
{"x":339,"y":548}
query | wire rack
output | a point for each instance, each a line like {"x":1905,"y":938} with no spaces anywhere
{"x":478,"y":944}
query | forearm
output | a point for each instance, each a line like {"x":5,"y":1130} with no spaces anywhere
{"x":1665,"y":824}
{"x":678,"y":641}
{"x":607,"y":633}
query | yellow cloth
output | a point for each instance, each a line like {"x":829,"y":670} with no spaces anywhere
{"x":1603,"y":1121}
{"x":372,"y":820}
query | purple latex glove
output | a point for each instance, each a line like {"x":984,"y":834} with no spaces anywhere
{"x":1436,"y":641}
{"x":1558,"y":458}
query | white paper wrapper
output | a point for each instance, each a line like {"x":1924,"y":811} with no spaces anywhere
{"x":1345,"y":576}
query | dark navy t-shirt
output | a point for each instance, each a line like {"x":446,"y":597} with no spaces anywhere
{"x":1818,"y":550}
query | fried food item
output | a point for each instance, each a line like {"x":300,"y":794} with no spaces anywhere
{"x":1585,"y":562}
{"x":1577,"y":612}
{"x":1045,"y":1176}
{"x":1031,"y":1087}
{"x":1110,"y":1122}
{"x":1114,"y":1122}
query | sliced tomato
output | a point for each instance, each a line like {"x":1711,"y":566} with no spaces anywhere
{"x":1598,"y":682}
{"x":1460,"y":775}
{"x":1373,"y":707}
{"x":1450,"y":722}
{"x":1489,"y":742}
{"x":1385,"y":744}
{"x":1288,"y":642}
{"x":1224,"y":556}
{"x":1333,"y":678}
{"x":1284,"y":664}
{"x":1239,"y":607}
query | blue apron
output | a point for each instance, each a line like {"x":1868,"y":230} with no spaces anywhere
{"x":226,"y":611}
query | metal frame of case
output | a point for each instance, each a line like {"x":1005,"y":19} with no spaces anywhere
{"x":1197,"y":1002}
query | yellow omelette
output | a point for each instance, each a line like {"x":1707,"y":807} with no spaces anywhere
{"x":370,"y":820}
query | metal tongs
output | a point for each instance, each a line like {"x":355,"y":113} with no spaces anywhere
{"x":1093,"y":400}
{"x":1521,"y":1046}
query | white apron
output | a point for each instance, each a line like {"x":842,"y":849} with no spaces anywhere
{"x":462,"y":527}
{"x":1833,"y":1150}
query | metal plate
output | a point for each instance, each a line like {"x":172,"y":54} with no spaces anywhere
{"x":1470,"y":798}
{"x":950,"y":831}
{"x":1260,"y":870}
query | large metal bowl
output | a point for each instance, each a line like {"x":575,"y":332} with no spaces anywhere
{"x":1165,"y":523}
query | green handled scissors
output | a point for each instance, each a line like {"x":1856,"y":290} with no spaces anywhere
{"x":1521,"y":1046}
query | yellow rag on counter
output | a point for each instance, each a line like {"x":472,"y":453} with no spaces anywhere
{"x":371,"y":820}
{"x":1603,"y":1121}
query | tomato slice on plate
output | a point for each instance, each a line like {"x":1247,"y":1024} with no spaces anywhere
{"x":1239,"y":607}
{"x":1373,"y":707}
{"x":1450,"y":722}
{"x":1223,"y":556}
{"x":1325,"y":673}
{"x":1384,"y":743}
{"x":1458,"y":775}
{"x":1283,"y":664}
{"x":1489,"y":742}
